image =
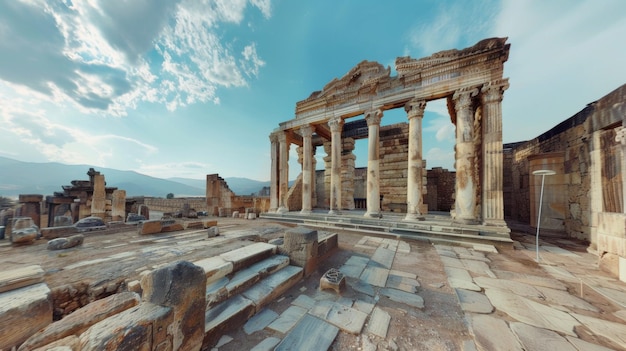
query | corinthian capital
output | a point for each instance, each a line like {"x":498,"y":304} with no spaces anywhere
{"x":306,"y":130}
{"x":492,"y":91}
{"x":415,"y":108}
{"x":463,"y":98}
{"x":620,"y":135}
{"x":335,"y":124}
{"x":274,"y":137}
{"x":373,"y":117}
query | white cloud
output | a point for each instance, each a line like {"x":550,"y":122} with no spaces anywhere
{"x":184,"y":169}
{"x":437,"y":157}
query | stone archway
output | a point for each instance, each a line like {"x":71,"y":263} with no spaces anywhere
{"x":471,"y":81}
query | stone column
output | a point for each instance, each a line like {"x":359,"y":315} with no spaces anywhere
{"x":373,"y":162}
{"x":313,"y":178}
{"x":620,"y":137}
{"x":336,"y":125}
{"x":465,"y":158}
{"x":348,"y":159}
{"x":414,"y":197}
{"x":118,"y":211}
{"x":306,"y":132}
{"x":492,"y":201}
{"x":98,"y":200}
{"x":283,"y":174}
{"x":274,"y":170}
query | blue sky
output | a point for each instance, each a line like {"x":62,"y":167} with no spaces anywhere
{"x":188,"y":88}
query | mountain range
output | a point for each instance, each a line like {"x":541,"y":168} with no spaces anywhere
{"x":17,"y":177}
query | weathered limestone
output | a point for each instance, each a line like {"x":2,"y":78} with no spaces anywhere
{"x":301,"y":245}
{"x":153,"y":226}
{"x":414,"y":196}
{"x":310,"y":334}
{"x":118,"y":205}
{"x":336,"y":125}
{"x":31,"y":207}
{"x":373,"y":159}
{"x":180,"y":286}
{"x":65,"y":243}
{"x":98,"y":202}
{"x":333,"y":279}
{"x":33,"y":300}
{"x":465,"y":162}
{"x":283,"y":175}
{"x":307,"y":164}
{"x":80,"y":320}
{"x":20,"y":277}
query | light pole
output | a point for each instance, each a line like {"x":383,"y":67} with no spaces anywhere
{"x":543,"y":173}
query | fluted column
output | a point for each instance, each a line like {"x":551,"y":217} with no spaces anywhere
{"x":620,"y":137}
{"x":307,"y":154}
{"x":274,"y":170}
{"x":313,"y":179}
{"x":492,"y":200}
{"x":465,"y":185}
{"x":283,"y":180}
{"x":414,"y":197}
{"x":373,"y":162}
{"x":336,"y":125}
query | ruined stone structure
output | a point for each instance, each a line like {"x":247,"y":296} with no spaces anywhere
{"x":222,"y":202}
{"x":471,"y":81}
{"x":585,"y":199}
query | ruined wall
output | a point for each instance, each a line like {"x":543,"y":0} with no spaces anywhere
{"x":585,"y":198}
{"x":221,"y":201}
{"x":440,"y":194}
{"x":175,"y":204}
{"x":394,"y":150}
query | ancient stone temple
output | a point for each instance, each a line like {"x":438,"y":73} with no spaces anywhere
{"x":471,"y":81}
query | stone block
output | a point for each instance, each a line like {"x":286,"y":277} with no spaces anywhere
{"x":83,"y":318}
{"x":142,"y":327}
{"x":227,"y":315}
{"x":58,"y":232}
{"x":149,"y":227}
{"x":195,"y":224}
{"x":174,"y":227}
{"x":209,"y":224}
{"x":23,"y":312}
{"x":235,"y":214}
{"x":213,"y":231}
{"x":333,"y":279}
{"x":182,"y":286}
{"x":215,"y":268}
{"x":65,"y":243}
{"x":20,"y":277}
{"x":248,"y":255}
{"x":301,"y":244}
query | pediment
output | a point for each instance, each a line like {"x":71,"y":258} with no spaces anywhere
{"x":366,"y":74}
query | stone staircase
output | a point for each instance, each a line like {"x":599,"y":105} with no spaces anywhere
{"x":240,"y":283}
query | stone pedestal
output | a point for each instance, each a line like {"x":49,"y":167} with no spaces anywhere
{"x":301,"y":247}
{"x":98,"y":201}
{"x":31,"y":207}
{"x":118,"y":211}
{"x":333,"y":279}
{"x":181,"y":286}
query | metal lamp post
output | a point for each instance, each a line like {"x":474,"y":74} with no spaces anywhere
{"x":543,"y":173}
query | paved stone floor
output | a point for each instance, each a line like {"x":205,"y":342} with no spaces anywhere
{"x":401,"y":294}
{"x":414,"y":295}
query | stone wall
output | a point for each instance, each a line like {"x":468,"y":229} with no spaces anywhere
{"x":440,"y":184}
{"x":394,"y":150}
{"x":175,"y":204}
{"x":584,"y":199}
{"x":221,"y":201}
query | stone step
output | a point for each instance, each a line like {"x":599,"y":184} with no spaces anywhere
{"x":235,"y":310}
{"x":225,"y":287}
{"x":20,"y":277}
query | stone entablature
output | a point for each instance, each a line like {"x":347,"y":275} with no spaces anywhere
{"x":470,"y":79}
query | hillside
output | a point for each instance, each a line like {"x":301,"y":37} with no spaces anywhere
{"x":17,"y":177}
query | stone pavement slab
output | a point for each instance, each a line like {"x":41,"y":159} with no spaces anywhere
{"x":382,"y":258}
{"x":310,"y":334}
{"x":452,"y":262}
{"x":403,"y":297}
{"x":402,"y":283}
{"x":364,"y":306}
{"x":478,"y":268}
{"x":582,"y":345}
{"x":491,"y":333}
{"x":354,"y":266}
{"x":360,"y":286}
{"x":531,"y":312}
{"x":616,"y":332}
{"x":564,"y":298}
{"x":20,"y":277}
{"x":287,"y":319}
{"x":304,"y":301}
{"x":539,"y":339}
{"x":376,"y":276}
{"x":472,"y":301}
{"x":267,"y":344}
{"x":460,"y":279}
{"x":346,"y":318}
{"x":530,"y":279}
{"x":379,"y":323}
{"x":259,"y":321}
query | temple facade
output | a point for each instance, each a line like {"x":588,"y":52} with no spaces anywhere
{"x":470,"y":79}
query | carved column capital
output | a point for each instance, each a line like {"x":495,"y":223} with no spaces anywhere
{"x":306,"y":130}
{"x":373,"y":117}
{"x":415,"y":108}
{"x":620,"y":135}
{"x":463,"y":98}
{"x":335,"y":124}
{"x":282,"y":136}
{"x":274,"y":137}
{"x":493,"y":91}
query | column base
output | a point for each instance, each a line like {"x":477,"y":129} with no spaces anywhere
{"x":413,"y":217}
{"x":373,"y":214}
{"x":495,"y":222}
{"x":334,"y":212}
{"x":282,"y":210}
{"x":466,"y":221}
{"x":305,"y":212}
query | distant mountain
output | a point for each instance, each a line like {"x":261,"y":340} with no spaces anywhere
{"x":17,"y":177}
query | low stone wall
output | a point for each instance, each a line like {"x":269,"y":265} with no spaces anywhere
{"x":175,"y":204}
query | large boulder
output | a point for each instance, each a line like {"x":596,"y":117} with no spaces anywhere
{"x":66,"y":243}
